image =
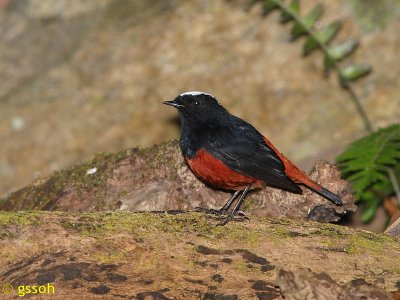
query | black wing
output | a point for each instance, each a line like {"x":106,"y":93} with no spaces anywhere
{"x":242,"y":148}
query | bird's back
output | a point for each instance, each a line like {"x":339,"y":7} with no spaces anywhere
{"x":240,"y":147}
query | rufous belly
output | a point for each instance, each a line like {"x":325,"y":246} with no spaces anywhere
{"x":214,"y":172}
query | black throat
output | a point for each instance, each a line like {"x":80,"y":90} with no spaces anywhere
{"x":198,"y":130}
{"x":191,"y":137}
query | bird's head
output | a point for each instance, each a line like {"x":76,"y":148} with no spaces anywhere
{"x":198,"y":106}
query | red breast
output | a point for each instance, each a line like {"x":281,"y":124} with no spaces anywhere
{"x":217,"y":174}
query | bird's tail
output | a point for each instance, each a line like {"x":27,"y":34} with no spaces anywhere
{"x":320,"y":190}
{"x":330,"y":196}
{"x":299,"y":176}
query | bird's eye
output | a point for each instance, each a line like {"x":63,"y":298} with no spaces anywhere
{"x":196,"y":103}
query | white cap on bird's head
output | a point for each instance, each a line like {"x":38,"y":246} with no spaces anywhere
{"x":196,"y":93}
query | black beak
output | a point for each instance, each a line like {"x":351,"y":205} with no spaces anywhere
{"x":173,"y":103}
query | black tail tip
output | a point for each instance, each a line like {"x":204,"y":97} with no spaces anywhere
{"x":331,"y":196}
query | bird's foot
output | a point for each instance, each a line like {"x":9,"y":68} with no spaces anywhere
{"x":239,"y":216}
{"x":211,"y":211}
{"x":223,"y":215}
{"x":241,"y":213}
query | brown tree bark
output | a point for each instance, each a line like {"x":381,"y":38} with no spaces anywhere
{"x":125,"y":255}
{"x":121,"y":254}
{"x":157,"y":178}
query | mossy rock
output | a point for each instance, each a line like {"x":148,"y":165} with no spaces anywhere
{"x":184,"y":256}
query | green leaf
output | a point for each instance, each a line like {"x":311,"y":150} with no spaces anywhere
{"x":354,"y":72}
{"x":339,"y":52}
{"x":268,"y":6}
{"x":383,"y":187}
{"x":366,"y":160}
{"x":309,"y":45}
{"x":324,"y":36}
{"x":293,"y":8}
{"x":328,"y":62}
{"x":313,"y":16}
{"x":317,"y":38}
{"x":308,"y":22}
{"x":368,"y":210}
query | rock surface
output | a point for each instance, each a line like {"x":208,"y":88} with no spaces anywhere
{"x":137,"y":255}
{"x":79,"y":76}
{"x":157,"y":178}
{"x":307,"y":285}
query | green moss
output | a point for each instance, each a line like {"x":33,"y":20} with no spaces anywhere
{"x":250,"y":204}
{"x":19,"y":218}
{"x":363,"y":244}
{"x":89,"y":224}
{"x":143,"y":225}
{"x":329,"y":230}
{"x":357,"y":243}
{"x":160,"y":155}
{"x":240,"y":233}
{"x":281,"y":231}
{"x":242,"y":266}
{"x":6,"y":234}
{"x":103,"y":162}
{"x":111,"y":255}
{"x":84,"y":228}
{"x":280,"y":221}
{"x":94,"y":224}
{"x":8,"y":222}
{"x":39,"y":196}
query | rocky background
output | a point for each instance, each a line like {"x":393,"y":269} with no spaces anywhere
{"x":82,"y":77}
{"x":78,"y":77}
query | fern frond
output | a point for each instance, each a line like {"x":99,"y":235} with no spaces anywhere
{"x":308,"y":22}
{"x":366,"y":161}
{"x":371,"y":163}
{"x":320,"y":39}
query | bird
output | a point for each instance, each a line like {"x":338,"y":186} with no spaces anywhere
{"x":228,"y":153}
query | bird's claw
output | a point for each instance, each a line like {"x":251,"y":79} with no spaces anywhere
{"x":210,"y":211}
{"x":223,"y":215}
{"x":241,"y":213}
{"x":233,"y":217}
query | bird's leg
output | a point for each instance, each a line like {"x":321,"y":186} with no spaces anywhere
{"x":236,"y":208}
{"x":223,"y":209}
{"x":228,"y":203}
